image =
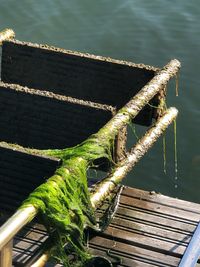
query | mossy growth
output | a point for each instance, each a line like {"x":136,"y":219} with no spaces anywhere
{"x":63,"y":201}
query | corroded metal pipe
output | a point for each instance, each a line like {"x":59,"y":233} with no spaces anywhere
{"x":6,"y":35}
{"x":108,"y":184}
{"x":133,"y":107}
{"x":128,"y":112}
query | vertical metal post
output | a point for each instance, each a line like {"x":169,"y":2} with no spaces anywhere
{"x":6,"y":255}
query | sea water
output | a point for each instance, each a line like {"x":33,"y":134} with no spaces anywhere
{"x":142,"y":31}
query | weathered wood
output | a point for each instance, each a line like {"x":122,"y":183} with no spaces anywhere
{"x":138,"y":224}
{"x":131,"y":255}
{"x":166,"y":200}
{"x":27,"y":242}
{"x":163,"y":210}
{"x":150,"y":217}
{"x":139,"y":233}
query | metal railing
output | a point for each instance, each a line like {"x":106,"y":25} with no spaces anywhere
{"x":16,"y":222}
{"x":136,"y":153}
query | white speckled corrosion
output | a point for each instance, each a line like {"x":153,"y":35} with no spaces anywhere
{"x":132,"y":108}
{"x":136,"y":153}
{"x":6,"y":35}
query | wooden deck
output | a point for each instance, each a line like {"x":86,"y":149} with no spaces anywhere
{"x":148,"y":229}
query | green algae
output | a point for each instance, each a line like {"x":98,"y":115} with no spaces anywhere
{"x":63,"y":201}
{"x":91,"y":149}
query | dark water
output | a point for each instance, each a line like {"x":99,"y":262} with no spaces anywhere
{"x":142,"y":31}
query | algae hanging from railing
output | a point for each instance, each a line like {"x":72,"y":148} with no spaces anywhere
{"x":64,"y":200}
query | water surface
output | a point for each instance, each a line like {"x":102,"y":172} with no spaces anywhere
{"x":142,"y":31}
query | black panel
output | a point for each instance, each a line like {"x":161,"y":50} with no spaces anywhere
{"x":77,"y":76}
{"x":20,"y":174}
{"x":42,"y":122}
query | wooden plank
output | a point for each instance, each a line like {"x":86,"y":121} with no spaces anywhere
{"x":171,"y":247}
{"x":125,"y":260}
{"x":153,"y":219}
{"x":162,"y":199}
{"x":150,"y":230}
{"x":133,"y":253}
{"x":146,"y":221}
{"x":28,"y":242}
{"x":162,"y":210}
{"x":138,"y":233}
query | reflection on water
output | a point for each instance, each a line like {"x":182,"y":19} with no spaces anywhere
{"x":151,"y":32}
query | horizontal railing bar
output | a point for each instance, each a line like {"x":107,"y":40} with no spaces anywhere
{"x":15,"y":223}
{"x":136,"y":153}
{"x":108,"y":184}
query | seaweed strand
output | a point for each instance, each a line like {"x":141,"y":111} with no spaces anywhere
{"x":63,"y":200}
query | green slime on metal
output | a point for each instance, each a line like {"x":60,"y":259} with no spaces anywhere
{"x":63,"y":201}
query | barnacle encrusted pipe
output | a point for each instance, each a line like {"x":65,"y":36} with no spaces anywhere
{"x":132,"y":108}
{"x":108,"y":132}
{"x":103,"y":189}
{"x":64,"y":200}
{"x":6,"y":35}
